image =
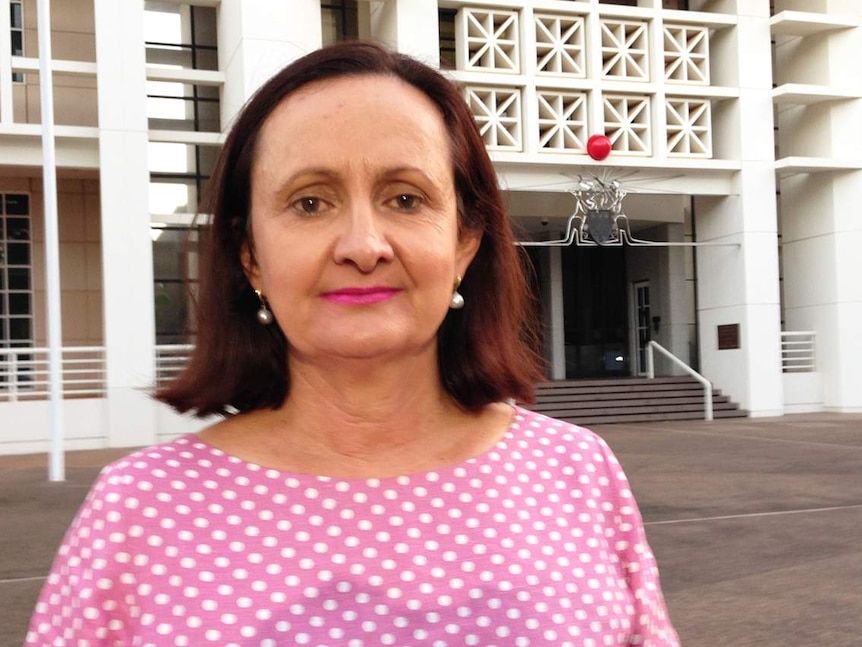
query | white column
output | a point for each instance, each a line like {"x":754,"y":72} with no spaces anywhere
{"x":259,"y":37}
{"x":822,"y":291}
{"x":820,"y":224}
{"x":410,"y":26}
{"x":677,"y":313}
{"x":738,"y":285}
{"x":127,"y":263}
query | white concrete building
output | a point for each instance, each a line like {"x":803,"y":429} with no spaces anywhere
{"x":736,"y":128}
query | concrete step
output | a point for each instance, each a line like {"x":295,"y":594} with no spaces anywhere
{"x":623,"y":396}
{"x":654,"y":404}
{"x":620,"y":418}
{"x":629,"y":399}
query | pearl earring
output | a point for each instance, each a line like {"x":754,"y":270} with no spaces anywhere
{"x":264,"y":315}
{"x":457,"y":300}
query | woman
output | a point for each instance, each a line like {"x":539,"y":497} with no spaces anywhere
{"x":361,"y":322}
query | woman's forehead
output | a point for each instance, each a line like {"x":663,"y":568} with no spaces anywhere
{"x":368,"y":120}
{"x":385,"y":102}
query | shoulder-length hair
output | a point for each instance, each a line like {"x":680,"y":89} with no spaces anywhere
{"x":487,"y":350}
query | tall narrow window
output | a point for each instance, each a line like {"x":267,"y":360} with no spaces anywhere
{"x":446,"y":18}
{"x":643,"y":319}
{"x":178,"y":175}
{"x":182,"y":36}
{"x":16,"y":268}
{"x":340,"y":20}
{"x":16,"y":19}
{"x":175,"y":273}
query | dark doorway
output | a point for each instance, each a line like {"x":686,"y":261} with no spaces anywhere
{"x":596,"y":320}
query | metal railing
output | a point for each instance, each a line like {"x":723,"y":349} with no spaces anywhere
{"x":707,"y":385}
{"x":25,"y":375}
{"x":171,"y":359}
{"x":798,"y":351}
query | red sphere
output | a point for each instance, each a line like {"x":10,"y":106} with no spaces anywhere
{"x":599,"y":147}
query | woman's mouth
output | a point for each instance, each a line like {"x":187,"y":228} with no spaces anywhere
{"x":360,"y":296}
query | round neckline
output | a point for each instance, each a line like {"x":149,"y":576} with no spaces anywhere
{"x":517,"y":416}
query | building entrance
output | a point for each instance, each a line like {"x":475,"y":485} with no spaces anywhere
{"x":595,"y":312}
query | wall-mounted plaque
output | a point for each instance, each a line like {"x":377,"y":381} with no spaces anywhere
{"x":728,"y":336}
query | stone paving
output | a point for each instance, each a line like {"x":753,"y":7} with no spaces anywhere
{"x":756,"y":523}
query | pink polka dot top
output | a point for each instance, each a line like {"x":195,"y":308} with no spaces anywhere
{"x":538,"y":542}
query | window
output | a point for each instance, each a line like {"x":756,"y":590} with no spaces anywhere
{"x":340,"y":20}
{"x":16,"y":19}
{"x":16,"y":266}
{"x":446,"y":19}
{"x":183,"y":106}
{"x":181,"y":35}
{"x":178,"y":175}
{"x":643,"y":319}
{"x":175,"y":275}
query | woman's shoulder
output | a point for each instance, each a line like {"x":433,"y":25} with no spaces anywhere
{"x":170,"y":453}
{"x":536,"y":424}
{"x":551,"y":436}
{"x":141,"y":469}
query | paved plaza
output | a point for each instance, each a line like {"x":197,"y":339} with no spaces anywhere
{"x":756,"y":523}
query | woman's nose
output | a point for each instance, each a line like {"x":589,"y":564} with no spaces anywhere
{"x":362,"y":240}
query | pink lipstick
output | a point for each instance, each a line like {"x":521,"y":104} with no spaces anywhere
{"x":360,"y":296}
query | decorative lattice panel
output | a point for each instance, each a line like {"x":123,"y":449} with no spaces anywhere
{"x":498,"y":115}
{"x":560,"y":45}
{"x":627,"y":123}
{"x":562,"y":121}
{"x":487,"y":40}
{"x":686,"y":54}
{"x":625,"y":50}
{"x":689,"y":128}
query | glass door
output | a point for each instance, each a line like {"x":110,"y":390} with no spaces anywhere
{"x":642,"y":319}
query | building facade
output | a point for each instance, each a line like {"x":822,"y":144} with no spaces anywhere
{"x":736,"y":132}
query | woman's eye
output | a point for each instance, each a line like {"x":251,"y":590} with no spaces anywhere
{"x":308,"y":206}
{"x":407,"y":202}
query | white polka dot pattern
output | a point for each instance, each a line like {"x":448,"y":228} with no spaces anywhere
{"x":536,"y":542}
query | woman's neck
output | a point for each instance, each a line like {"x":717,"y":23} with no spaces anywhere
{"x":370,"y":406}
{"x":368,"y":419}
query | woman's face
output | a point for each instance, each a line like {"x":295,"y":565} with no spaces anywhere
{"x":354,"y":229}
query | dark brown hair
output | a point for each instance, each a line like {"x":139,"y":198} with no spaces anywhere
{"x":486,"y":350}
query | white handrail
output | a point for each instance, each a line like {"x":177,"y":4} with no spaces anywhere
{"x":24,"y":370}
{"x":707,"y":385}
{"x":798,"y":351}
{"x":171,"y":360}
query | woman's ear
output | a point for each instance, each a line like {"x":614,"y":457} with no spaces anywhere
{"x":249,"y":265}
{"x":468,"y":244}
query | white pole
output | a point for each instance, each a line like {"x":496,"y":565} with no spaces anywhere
{"x":56,"y":466}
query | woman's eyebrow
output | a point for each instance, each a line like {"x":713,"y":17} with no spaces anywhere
{"x":395,"y":172}
{"x":313,"y":172}
{"x":286,"y":185}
